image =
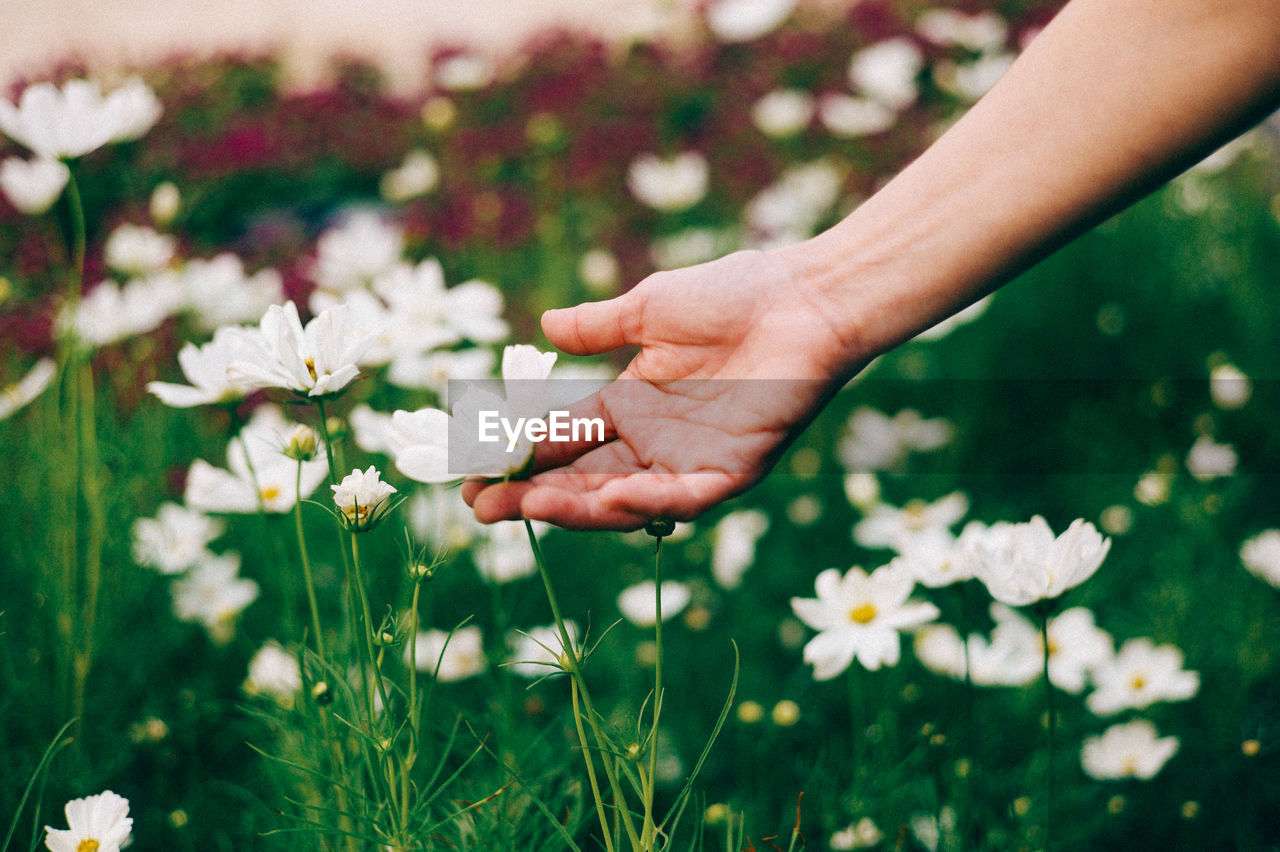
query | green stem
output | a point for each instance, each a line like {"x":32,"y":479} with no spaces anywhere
{"x":648,"y":831}
{"x":372,"y":658}
{"x":306,"y":566}
{"x":575,"y":672}
{"x":1052,"y":725}
{"x":591,"y":767}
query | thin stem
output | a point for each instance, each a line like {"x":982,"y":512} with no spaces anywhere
{"x":648,"y":831}
{"x":328,"y":444}
{"x":591,"y":767}
{"x":78,"y":230}
{"x":379,"y":686}
{"x":306,"y":565}
{"x":575,"y":672}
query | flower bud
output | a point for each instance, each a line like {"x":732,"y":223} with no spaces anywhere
{"x":660,"y":527}
{"x":302,"y":443}
{"x":322,"y":693}
{"x":166,"y":202}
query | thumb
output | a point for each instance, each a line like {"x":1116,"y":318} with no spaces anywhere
{"x":594,"y":327}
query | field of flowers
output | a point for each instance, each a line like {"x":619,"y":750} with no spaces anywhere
{"x":1016,"y":588}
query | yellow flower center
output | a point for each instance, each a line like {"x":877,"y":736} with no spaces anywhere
{"x":863,"y":613}
{"x":269,"y":493}
{"x":1138,"y":682}
{"x":1129,"y":768}
{"x":915,"y":515}
{"x":1053,"y":647}
{"x":311,"y":368}
{"x":87,"y":845}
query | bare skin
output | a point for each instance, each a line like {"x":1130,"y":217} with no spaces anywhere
{"x":1114,"y":97}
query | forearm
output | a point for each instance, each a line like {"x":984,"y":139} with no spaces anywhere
{"x":1114,"y":97}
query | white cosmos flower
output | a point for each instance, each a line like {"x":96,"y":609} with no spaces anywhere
{"x":363,"y":498}
{"x":136,"y":250}
{"x":792,"y":208}
{"x":264,"y":476}
{"x":1229,"y":387}
{"x":434,"y":370}
{"x":20,"y":394}
{"x":669,"y":185}
{"x":859,"y":616}
{"x":599,"y":270}
{"x":747,"y":20}
{"x":98,"y":823}
{"x":352,"y":254}
{"x":860,"y":835}
{"x":1010,"y":657}
{"x":219,"y":291}
{"x":981,"y":31}
{"x":1139,"y":675}
{"x":33,"y":185}
{"x":463,"y":72}
{"x":420,"y":439}
{"x":1077,"y":647}
{"x":417,"y":175}
{"x":1131,"y":750}
{"x":110,"y":313}
{"x":206,"y":368}
{"x":424,"y":314}
{"x":1261,"y":556}
{"x":1024,"y":563}
{"x":536,"y":652}
{"x":783,"y":112}
{"x":503,"y":553}
{"x":75,"y":119}
{"x":639,"y":605}
{"x":213,"y":595}
{"x":317,"y":360}
{"x":371,"y":429}
{"x":274,"y":672}
{"x":436,"y":515}
{"x":875,"y":441}
{"x":463,"y":653}
{"x":936,"y":558}
{"x":1207,"y":459}
{"x":886,"y":72}
{"x":896,"y":528}
{"x":736,"y":535}
{"x":175,"y":539}
{"x":849,"y":117}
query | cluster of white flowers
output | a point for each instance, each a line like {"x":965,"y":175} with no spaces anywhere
{"x":978,"y":42}
{"x":795,"y":206}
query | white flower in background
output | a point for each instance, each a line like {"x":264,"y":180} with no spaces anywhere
{"x":972,"y":80}
{"x":926,"y":829}
{"x":205,"y":367}
{"x":599,"y":270}
{"x":735,"y":536}
{"x":33,"y":185}
{"x":859,"y":616}
{"x":219,"y":292}
{"x":434,"y":370}
{"x":1153,"y":488}
{"x":1130,"y":750}
{"x":1077,"y":646}
{"x":1261,"y":556}
{"x":274,"y":672}
{"x":110,"y":313}
{"x":450,"y":658}
{"x":424,"y":314}
{"x":371,"y":429}
{"x":874,"y":441}
{"x":886,"y":72}
{"x":638,"y":603}
{"x":136,"y":250}
{"x":1024,"y":563}
{"x":747,"y":20}
{"x":438,"y":517}
{"x":1207,"y":459}
{"x":1012,"y":655}
{"x":98,"y":823}
{"x":1229,"y":387}
{"x":783,"y":112}
{"x":420,"y":439}
{"x":690,"y":247}
{"x":264,"y":476}
{"x":418,"y":175}
{"x":463,"y":72}
{"x":20,"y":394}
{"x":951,"y":323}
{"x":669,"y":184}
{"x":860,"y":835}
{"x":352,"y":254}
{"x":363,"y":498}
{"x":937,"y":558}
{"x":1139,"y":675}
{"x":862,"y":490}
{"x":165,"y":203}
{"x":849,"y":117}
{"x":891,"y":527}
{"x":503,"y":553}
{"x":175,"y":539}
{"x":793,"y":207}
{"x":317,"y":360}
{"x":60,"y":123}
{"x":213,"y":595}
{"x":979,"y":32}
{"x":536,"y":652}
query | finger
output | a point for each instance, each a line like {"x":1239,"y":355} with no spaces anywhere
{"x":548,"y":455}
{"x":594,"y":327}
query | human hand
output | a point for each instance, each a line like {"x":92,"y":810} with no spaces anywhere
{"x":736,"y":356}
